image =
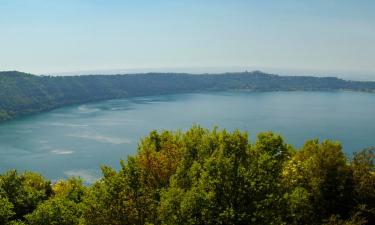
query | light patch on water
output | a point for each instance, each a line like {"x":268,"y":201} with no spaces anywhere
{"x":101,"y":138}
{"x":68,"y":125}
{"x":64,"y":115}
{"x":116,"y":122}
{"x":25,"y":131}
{"x":85,"y":109}
{"x":88,"y":176}
{"x":62,"y":151}
{"x":122,"y":120}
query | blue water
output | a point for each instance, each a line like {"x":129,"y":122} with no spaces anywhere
{"x":77,"y":140}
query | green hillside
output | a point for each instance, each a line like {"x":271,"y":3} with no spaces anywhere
{"x":23,"y":94}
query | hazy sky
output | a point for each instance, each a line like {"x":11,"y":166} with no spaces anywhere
{"x":316,"y":36}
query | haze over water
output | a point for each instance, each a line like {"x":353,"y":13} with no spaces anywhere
{"x":77,"y":140}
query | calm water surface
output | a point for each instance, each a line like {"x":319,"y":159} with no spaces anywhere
{"x":78,"y":140}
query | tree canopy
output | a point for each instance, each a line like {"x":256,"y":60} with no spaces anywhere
{"x":205,"y":176}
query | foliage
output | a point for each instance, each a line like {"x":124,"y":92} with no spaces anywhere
{"x":24,"y":191}
{"x":363,"y":169}
{"x":55,"y":211}
{"x":322,"y":171}
{"x":64,"y":207}
{"x":205,"y":176}
{"x":6,"y":210}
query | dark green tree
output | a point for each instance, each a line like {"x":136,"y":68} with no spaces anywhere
{"x":24,"y":191}
{"x":319,"y":173}
{"x":224,"y":180}
{"x":6,"y":210}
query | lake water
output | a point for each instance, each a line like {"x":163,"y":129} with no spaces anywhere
{"x":77,"y":140}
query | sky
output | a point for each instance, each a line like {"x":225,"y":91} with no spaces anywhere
{"x":311,"y":37}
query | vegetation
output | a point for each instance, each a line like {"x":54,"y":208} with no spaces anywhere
{"x":22,"y":94}
{"x":205,"y":177}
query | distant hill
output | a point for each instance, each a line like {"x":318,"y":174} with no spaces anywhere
{"x":23,"y":94}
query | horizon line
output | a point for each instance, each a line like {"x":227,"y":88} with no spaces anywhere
{"x":113,"y":73}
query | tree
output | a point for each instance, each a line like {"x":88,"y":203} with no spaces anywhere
{"x":6,"y":210}
{"x":320,"y":172}
{"x":224,"y":180}
{"x":205,"y":176}
{"x":72,"y":189}
{"x":63,"y":207}
{"x":55,"y":211}
{"x":119,"y":198}
{"x":363,"y":169}
{"x":24,"y":191}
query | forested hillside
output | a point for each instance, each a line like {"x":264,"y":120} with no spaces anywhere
{"x":22,"y":94}
{"x":205,"y":177}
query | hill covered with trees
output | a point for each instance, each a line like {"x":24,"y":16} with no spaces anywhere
{"x":23,"y":94}
{"x":205,"y":177}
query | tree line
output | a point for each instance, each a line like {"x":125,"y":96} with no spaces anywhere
{"x":24,"y":94}
{"x":205,"y":176}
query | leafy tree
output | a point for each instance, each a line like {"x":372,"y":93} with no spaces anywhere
{"x":63,"y":207}
{"x":321,"y":172}
{"x":353,"y":220}
{"x":299,"y":209}
{"x":24,"y":191}
{"x":224,"y":180}
{"x":363,"y":169}
{"x":72,"y":189}
{"x":55,"y":211}
{"x":17,"y":222}
{"x":205,"y":177}
{"x":364,"y":175}
{"x":133,"y":193}
{"x":6,"y":210}
{"x":158,"y":157}
{"x":119,"y":198}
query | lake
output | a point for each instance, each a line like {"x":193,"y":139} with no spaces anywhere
{"x":77,"y":140}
